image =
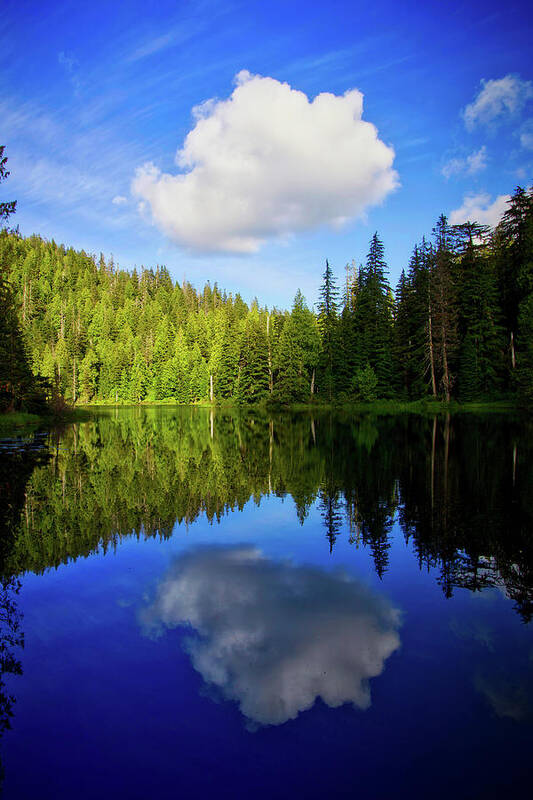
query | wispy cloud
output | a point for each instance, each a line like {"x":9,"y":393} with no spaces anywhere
{"x":177,"y":36}
{"x":470,"y":165}
{"x":526,"y":135}
{"x":154,"y":45}
{"x":340,"y":58}
{"x":200,"y":17}
{"x":496,"y":99}
{"x":70,"y":64}
{"x":57,"y":162}
{"x":414,"y":142}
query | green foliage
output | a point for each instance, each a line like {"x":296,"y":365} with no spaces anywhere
{"x":525,"y":344}
{"x":374,"y":317}
{"x":328,"y":326}
{"x":365,"y":384}
{"x":458,"y":327}
{"x":20,"y":389}
{"x":252,"y":382}
{"x":297,"y":354}
{"x":6,"y":209}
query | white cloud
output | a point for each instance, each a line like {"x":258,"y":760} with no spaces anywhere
{"x":268,"y":162}
{"x":274,"y":637}
{"x":119,"y":200}
{"x":478,"y":208}
{"x":473,"y":163}
{"x":506,"y":95}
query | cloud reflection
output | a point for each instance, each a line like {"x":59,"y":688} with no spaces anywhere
{"x":272,"y":636}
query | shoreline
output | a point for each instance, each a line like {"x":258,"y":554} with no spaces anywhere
{"x":22,"y":421}
{"x":19,"y":421}
{"x":376,"y":406}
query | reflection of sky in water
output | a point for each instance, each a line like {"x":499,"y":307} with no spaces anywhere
{"x":272,"y":636}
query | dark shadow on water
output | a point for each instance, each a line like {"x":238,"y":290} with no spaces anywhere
{"x":18,"y":459}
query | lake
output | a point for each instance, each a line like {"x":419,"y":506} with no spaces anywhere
{"x":307,"y":605}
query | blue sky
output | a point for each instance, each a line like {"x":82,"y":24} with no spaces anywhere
{"x":280,"y":170}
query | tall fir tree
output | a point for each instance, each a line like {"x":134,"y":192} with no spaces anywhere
{"x":328,"y":326}
{"x":374,"y":317}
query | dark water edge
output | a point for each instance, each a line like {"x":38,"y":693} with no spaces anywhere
{"x":422,"y":515}
{"x":14,"y":423}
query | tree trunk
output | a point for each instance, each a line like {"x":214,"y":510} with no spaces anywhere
{"x":270,"y":377}
{"x":446,"y":375}
{"x":431,"y":353}
{"x":313,"y":383}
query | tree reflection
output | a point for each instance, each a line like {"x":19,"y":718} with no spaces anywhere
{"x":460,"y":488}
{"x":18,"y":459}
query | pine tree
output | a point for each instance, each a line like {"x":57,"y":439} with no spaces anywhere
{"x":19,"y":388}
{"x":374,"y":317}
{"x":6,"y":209}
{"x":444,"y":308}
{"x":327,"y":323}
{"x":513,"y":245}
{"x":480,"y":329}
{"x":253,"y":377}
{"x":297,"y":354}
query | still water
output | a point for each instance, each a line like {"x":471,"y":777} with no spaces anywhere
{"x":298,"y":606}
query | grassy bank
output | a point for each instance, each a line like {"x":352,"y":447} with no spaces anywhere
{"x":423,"y":407}
{"x":17,"y":421}
{"x":381,"y":407}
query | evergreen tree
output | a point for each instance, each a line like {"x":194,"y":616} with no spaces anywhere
{"x":6,"y":208}
{"x":513,"y":244}
{"x":327,"y":323}
{"x":374,"y":317}
{"x":480,"y":330}
{"x":19,"y":388}
{"x":253,"y":378}
{"x":405,"y":366}
{"x":444,"y":308}
{"x":297,"y":354}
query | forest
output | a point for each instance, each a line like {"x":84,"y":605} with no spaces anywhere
{"x":459,"y":326}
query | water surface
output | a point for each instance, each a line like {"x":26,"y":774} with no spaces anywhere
{"x":303,"y":605}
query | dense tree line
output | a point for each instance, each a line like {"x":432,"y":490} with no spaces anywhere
{"x":20,"y":387}
{"x":459,"y":487}
{"x":460,"y":326}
